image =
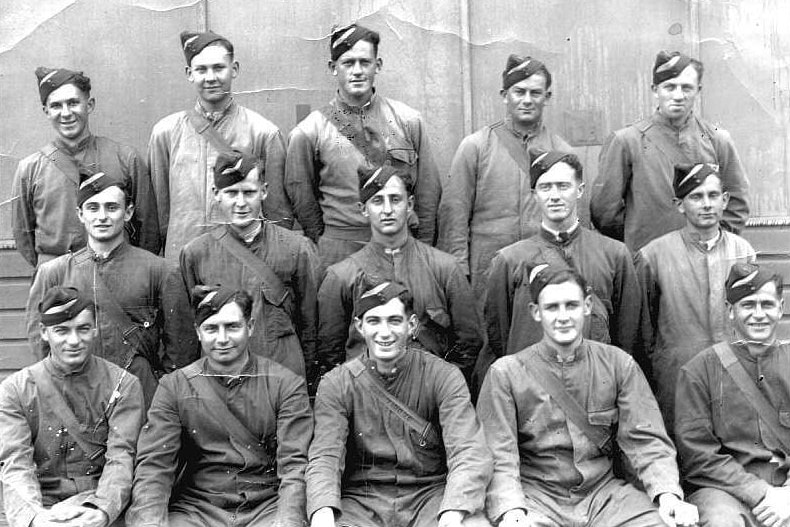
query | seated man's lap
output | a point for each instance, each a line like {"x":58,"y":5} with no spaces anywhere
{"x":721,"y":509}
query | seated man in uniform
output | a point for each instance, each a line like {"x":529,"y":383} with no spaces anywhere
{"x":278,"y":268}
{"x":397,"y":441}
{"x":732,"y":426}
{"x":444,"y":304}
{"x":68,"y":426}
{"x":238,"y":423}
{"x":552,"y":413}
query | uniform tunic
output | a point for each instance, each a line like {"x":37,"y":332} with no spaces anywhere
{"x":286,"y":327}
{"x":632,"y":197}
{"x":722,"y":442}
{"x":41,"y":464}
{"x":604,"y":263}
{"x":321,"y":172}
{"x":441,"y":293}
{"x":487,"y":202}
{"x":136,"y":280}
{"x":684,"y":303}
{"x":182,"y":167}
{"x":44,"y":204}
{"x":360,"y":444}
{"x":540,"y":457}
{"x":223,"y":482}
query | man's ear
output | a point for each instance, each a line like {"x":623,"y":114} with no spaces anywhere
{"x":235,"y":68}
{"x":91,"y":104}
{"x":548,"y":95}
{"x":725,"y":198}
{"x":129,"y":212}
{"x":331,"y":67}
{"x":358,"y":325}
{"x":534,"y":309}
{"x":412,"y":323}
{"x":410,"y":203}
{"x":42,"y":329}
{"x":215,"y":190}
{"x":362,"y":209}
{"x":379,"y":64}
{"x":580,"y":190}
{"x":588,"y":305}
{"x":679,"y":205}
{"x":188,"y":73}
{"x":251,"y":326}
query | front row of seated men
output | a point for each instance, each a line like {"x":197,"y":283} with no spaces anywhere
{"x":397,"y":441}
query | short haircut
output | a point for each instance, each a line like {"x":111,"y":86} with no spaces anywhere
{"x":560,"y":276}
{"x":697,"y":65}
{"x":222,"y":42}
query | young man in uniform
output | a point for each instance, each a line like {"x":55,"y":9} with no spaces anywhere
{"x":278,"y":268}
{"x":184,"y":146}
{"x":358,"y":128}
{"x":226,"y":439}
{"x":45,"y":184}
{"x":552,"y":414}
{"x":397,"y":440}
{"x":487,"y":202}
{"x":682,"y":277}
{"x":69,"y":426}
{"x":632,"y":197}
{"x":731,"y":425}
{"x":443,"y":301}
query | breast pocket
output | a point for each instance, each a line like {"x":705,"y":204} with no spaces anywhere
{"x":428,"y":450}
{"x":402,"y":156}
{"x":276,"y":320}
{"x":598,"y":321}
{"x":607,"y":419}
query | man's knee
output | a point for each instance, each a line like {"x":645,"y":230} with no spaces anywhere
{"x":720,"y":509}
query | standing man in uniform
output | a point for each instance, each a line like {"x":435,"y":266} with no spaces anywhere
{"x":227,"y":436}
{"x":632,"y":197}
{"x":682,"y":276}
{"x":486,"y":201}
{"x":605,"y":264}
{"x":552,"y":414}
{"x":184,"y":146}
{"x":69,"y":426}
{"x":45,"y":185}
{"x":358,"y":128}
{"x":732,"y":426}
{"x":443,"y":301}
{"x":126,"y":283}
{"x":278,"y":268}
{"x":397,"y":440}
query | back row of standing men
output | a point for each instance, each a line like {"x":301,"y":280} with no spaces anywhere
{"x":508,"y":182}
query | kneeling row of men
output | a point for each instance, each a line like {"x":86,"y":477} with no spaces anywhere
{"x":393,"y":438}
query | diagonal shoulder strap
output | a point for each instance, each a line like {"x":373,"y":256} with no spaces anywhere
{"x":514,"y":148}
{"x":54,"y":399}
{"x":412,"y":420}
{"x":765,"y":410}
{"x":600,"y":435}
{"x":220,"y":413}
{"x":204,"y":127}
{"x":273,"y":286}
{"x":63,"y":162}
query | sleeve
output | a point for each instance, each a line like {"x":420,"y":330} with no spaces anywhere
{"x":115,"y":485}
{"x":641,"y":434}
{"x":457,"y":201}
{"x":466,"y":322}
{"x":159,"y":168}
{"x":301,"y":183}
{"x":427,"y":188}
{"x":45,"y":277}
{"x":294,"y":432}
{"x":607,"y":202}
{"x":498,"y":305}
{"x":20,"y":488}
{"x":145,"y":220}
{"x":335,"y":311}
{"x":468,"y":457}
{"x":496,"y":408}
{"x":23,"y":214}
{"x":326,"y":460}
{"x":627,"y":301}
{"x":276,"y":206}
{"x":648,"y":318}
{"x":705,"y":463}
{"x":157,"y":459}
{"x":180,"y":340}
{"x":734,"y":181}
{"x":306,"y":283}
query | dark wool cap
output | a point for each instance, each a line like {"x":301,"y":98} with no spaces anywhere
{"x":378,"y":296}
{"x":50,"y":79}
{"x":208,"y":300}
{"x":543,"y":161}
{"x":689,"y":177}
{"x":746,"y":279}
{"x":519,"y":68}
{"x":372,"y":180}
{"x":61,"y":304}
{"x":669,"y":64}
{"x":92,"y":182}
{"x":193,"y":42}
{"x":344,"y":38}
{"x":232,"y":167}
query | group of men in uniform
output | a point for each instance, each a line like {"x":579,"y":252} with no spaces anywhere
{"x":176,"y":389}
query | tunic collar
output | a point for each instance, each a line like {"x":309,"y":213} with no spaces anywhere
{"x":56,"y":370}
{"x":401,"y":365}
{"x":248,"y":370}
{"x":551,"y":355}
{"x":694,"y":239}
{"x":561,"y":237}
{"x":114,"y":253}
{"x":345,"y":107}
{"x":79,"y":147}
{"x":741,"y":348}
{"x":540,"y":129}
{"x":380,"y":250}
{"x":215,"y":115}
{"x":658,"y":118}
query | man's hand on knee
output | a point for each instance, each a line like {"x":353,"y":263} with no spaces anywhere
{"x":323,"y":517}
{"x":774,"y":509}
{"x":451,"y":519}
{"x":514,"y":518}
{"x":676,"y":512}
